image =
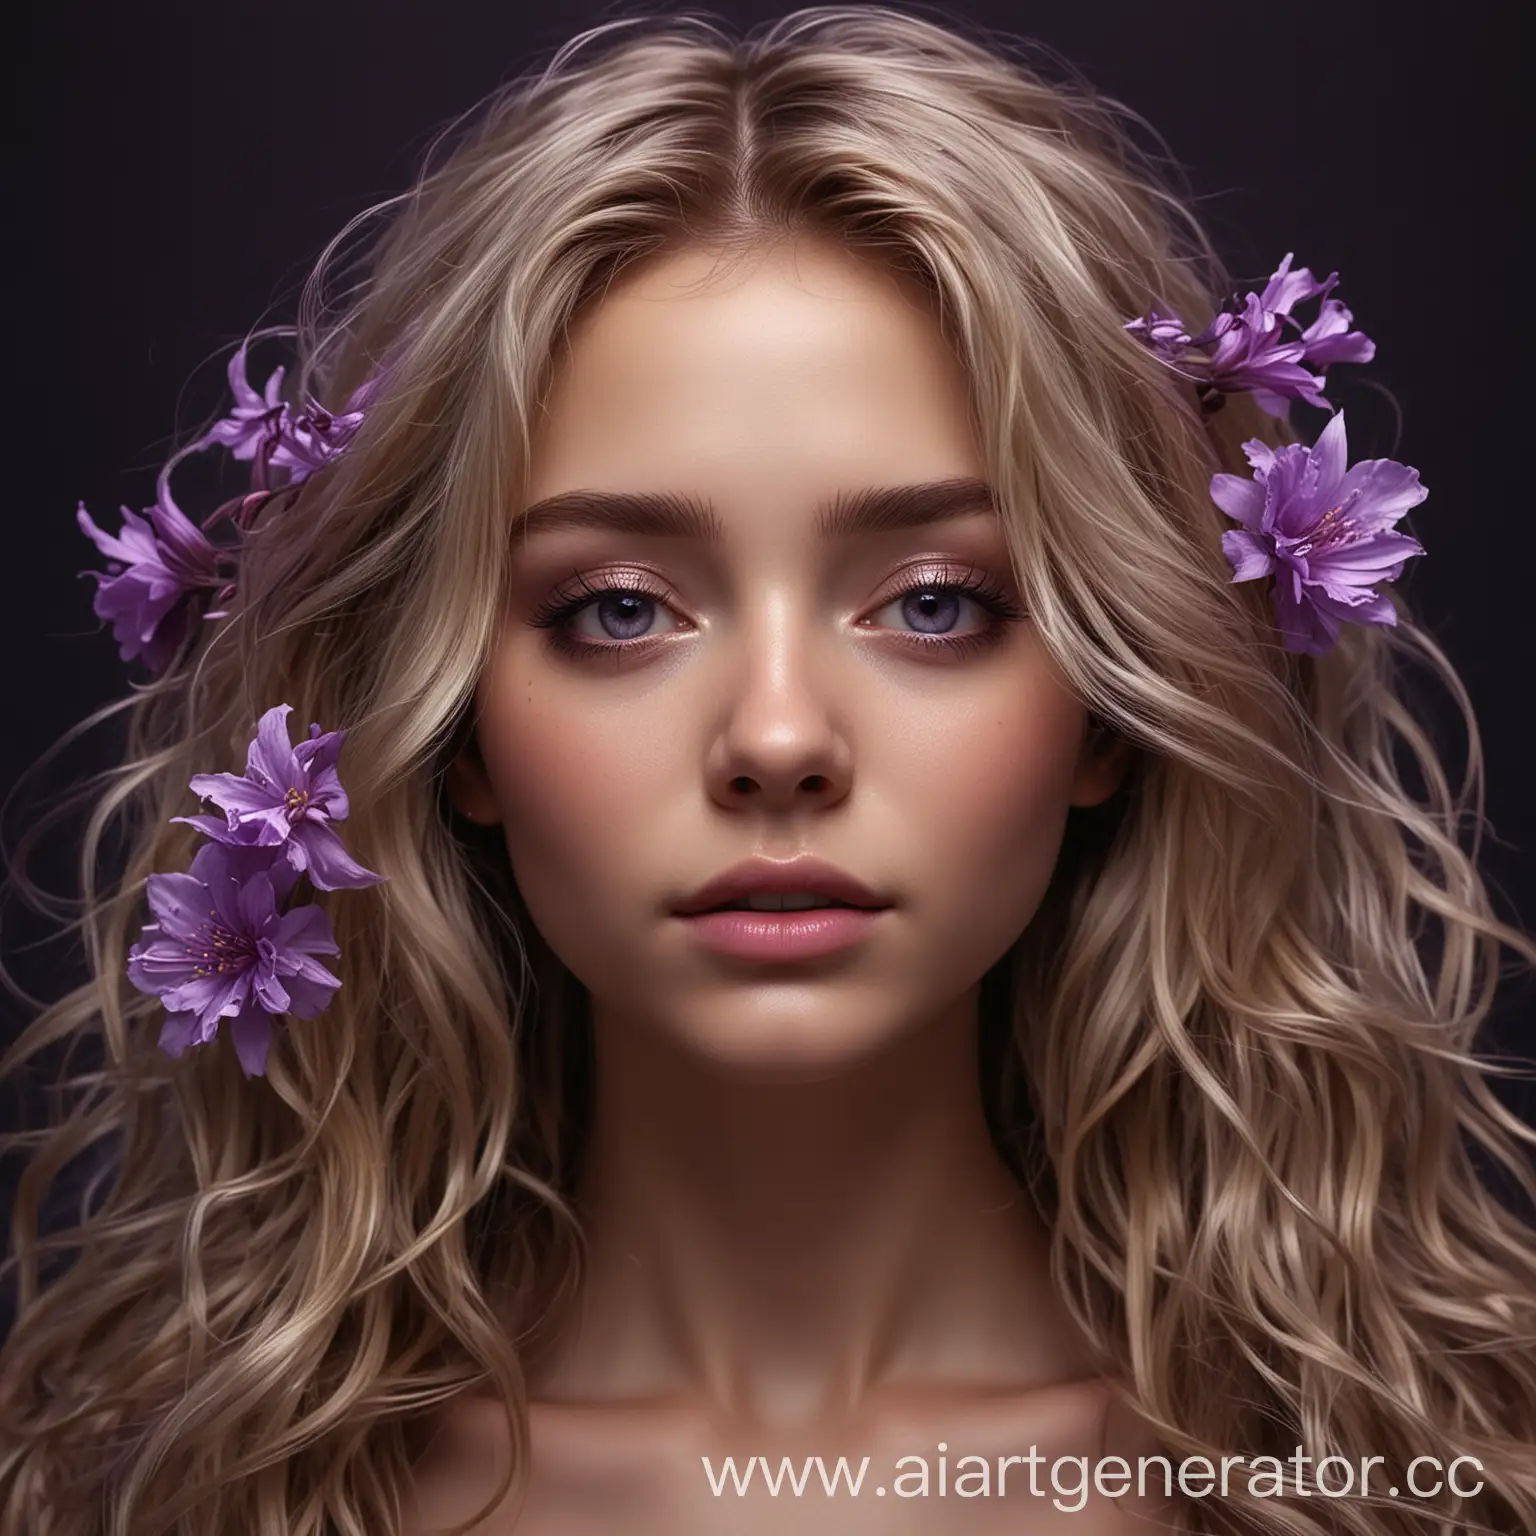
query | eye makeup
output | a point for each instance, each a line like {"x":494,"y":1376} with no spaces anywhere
{"x":629,"y":593}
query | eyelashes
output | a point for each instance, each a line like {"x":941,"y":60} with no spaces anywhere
{"x":558,"y":612}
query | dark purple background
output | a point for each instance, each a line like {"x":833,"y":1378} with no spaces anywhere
{"x":174,"y":168}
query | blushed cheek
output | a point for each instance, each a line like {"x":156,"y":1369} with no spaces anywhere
{"x":1003,"y":810}
{"x":577,"y":791}
{"x":556,"y":791}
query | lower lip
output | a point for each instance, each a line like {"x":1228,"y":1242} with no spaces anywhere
{"x":783,"y":935}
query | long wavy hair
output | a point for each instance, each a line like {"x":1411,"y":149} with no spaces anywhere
{"x":1231,"y":1057}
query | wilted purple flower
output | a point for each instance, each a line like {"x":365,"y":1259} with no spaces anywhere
{"x":312,"y":440}
{"x":221,"y":949}
{"x":153,"y":568}
{"x":287,"y":799}
{"x":263,"y":429}
{"x":1248,"y":346}
{"x":253,"y":426}
{"x":1324,"y":531}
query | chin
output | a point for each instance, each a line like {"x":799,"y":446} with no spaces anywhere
{"x":783,"y":1032}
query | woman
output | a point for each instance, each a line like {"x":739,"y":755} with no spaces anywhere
{"x":817,"y":472}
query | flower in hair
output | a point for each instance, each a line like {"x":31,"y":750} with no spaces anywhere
{"x":254,"y":421}
{"x":286,"y":800}
{"x":160,"y":562}
{"x":262,"y":429}
{"x":221,"y":948}
{"x":227,"y":942}
{"x":1322,"y":530}
{"x":154,"y":565}
{"x":1249,"y":348}
{"x":313,"y":438}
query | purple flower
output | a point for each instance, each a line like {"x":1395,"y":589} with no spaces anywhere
{"x":263,"y":429}
{"x":1323,"y":530}
{"x":1249,"y":351}
{"x":1257,"y":345}
{"x":252,"y":427}
{"x":153,"y":568}
{"x":286,"y":800}
{"x":313,"y":439}
{"x":221,"y":949}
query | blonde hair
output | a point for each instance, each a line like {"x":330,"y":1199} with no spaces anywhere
{"x":1222,"y":1057}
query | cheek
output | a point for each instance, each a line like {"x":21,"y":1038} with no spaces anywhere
{"x":574,"y":778}
{"x":989,"y":810}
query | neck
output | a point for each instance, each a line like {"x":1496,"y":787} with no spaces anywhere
{"x":782,"y":1250}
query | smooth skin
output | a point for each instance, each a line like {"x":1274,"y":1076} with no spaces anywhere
{"x":802,"y":1240}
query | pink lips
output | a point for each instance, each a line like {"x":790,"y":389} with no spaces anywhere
{"x":782,"y":935}
{"x":749,"y":934}
{"x":761,"y":877}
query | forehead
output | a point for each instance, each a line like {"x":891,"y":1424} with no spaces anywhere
{"x":786,"y":376}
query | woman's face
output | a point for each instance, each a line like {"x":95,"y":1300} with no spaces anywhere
{"x":869,"y":695}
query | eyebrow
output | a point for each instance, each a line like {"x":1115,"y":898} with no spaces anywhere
{"x":668,"y":514}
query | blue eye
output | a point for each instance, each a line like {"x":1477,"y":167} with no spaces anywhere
{"x":933,"y":599}
{"x":621,"y":614}
{"x":934,"y":608}
{"x":932,"y":602}
{"x":624,"y":613}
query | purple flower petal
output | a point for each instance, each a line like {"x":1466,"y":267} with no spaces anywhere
{"x":264,"y":978}
{"x":288,"y":797}
{"x":157,"y":563}
{"x":1286,"y":289}
{"x":211,"y":996}
{"x":263,"y":429}
{"x":1325,"y":532}
{"x":1329,"y":339}
{"x":251,"y":1030}
{"x":179,"y":903}
{"x":1239,"y":498}
{"x":252,"y":428}
{"x":306,"y":930}
{"x":222,"y":949}
{"x":1249,"y":555}
{"x":234,"y":792}
{"x":1257,"y":345}
{"x":1164,"y":334}
{"x":269,"y":760}
{"x":179,"y":1031}
{"x":1325,"y":462}
{"x":331,"y":867}
{"x":1386,"y":487}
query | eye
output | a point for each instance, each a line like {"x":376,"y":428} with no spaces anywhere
{"x":934,"y":608}
{"x":606,"y":617}
{"x":928,"y":612}
{"x":617,"y":615}
{"x":933,"y":601}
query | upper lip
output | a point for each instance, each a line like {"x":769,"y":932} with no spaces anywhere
{"x":769,"y":876}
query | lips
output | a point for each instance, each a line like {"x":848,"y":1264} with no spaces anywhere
{"x":760,"y":877}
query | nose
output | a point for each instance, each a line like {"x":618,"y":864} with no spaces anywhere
{"x":780,"y":746}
